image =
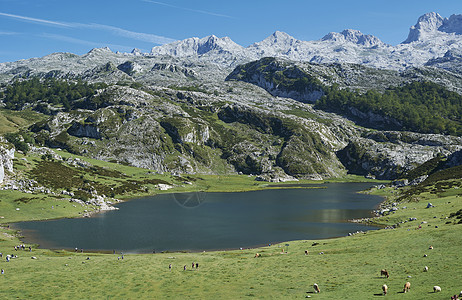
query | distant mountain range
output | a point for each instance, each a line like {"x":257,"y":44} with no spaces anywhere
{"x":212,"y":106}
{"x":430,"y":38}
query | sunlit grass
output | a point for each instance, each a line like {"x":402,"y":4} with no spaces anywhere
{"x":349,"y":267}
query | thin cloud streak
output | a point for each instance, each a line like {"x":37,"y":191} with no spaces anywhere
{"x":69,"y":39}
{"x":145,"y":37}
{"x":190,"y":9}
{"x":8,"y":33}
{"x":36,"y":20}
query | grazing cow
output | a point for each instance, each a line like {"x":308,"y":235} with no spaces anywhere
{"x":436,"y":289}
{"x":306,"y":252}
{"x":384,"y":272}
{"x":425,"y":269}
{"x":316,"y":288}
{"x":257,"y":255}
{"x":384,"y":289}
{"x":407,"y":287}
{"x":431,"y":247}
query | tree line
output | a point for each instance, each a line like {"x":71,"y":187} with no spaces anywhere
{"x":423,"y":107}
{"x":40,"y":93}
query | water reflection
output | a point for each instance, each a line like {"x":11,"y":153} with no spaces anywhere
{"x":189,"y":200}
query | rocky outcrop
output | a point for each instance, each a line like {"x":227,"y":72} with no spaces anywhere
{"x":280,"y":78}
{"x":369,"y":118}
{"x":174,"y":69}
{"x":84,"y":130}
{"x":355,"y":37}
{"x":455,"y":159}
{"x":6,"y":160}
{"x":129,"y":67}
{"x":179,"y":116}
{"x":426,"y":24}
{"x":389,"y":155}
{"x":451,"y":61}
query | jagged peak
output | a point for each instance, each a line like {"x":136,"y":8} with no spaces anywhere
{"x":194,"y":46}
{"x":353,"y":36}
{"x":452,"y":25}
{"x":281,"y":35}
{"x":278,"y":40}
{"x":278,"y":37}
{"x":427,"y":23}
{"x":99,"y":50}
{"x":136,"y":51}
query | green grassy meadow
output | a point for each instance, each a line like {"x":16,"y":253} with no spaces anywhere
{"x":349,"y":267}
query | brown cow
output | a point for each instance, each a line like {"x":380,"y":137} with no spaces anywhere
{"x":407,"y":287}
{"x":384,"y":272}
{"x":384,"y":289}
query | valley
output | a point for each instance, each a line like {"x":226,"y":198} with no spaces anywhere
{"x":81,"y":133}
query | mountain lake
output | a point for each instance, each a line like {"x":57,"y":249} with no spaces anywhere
{"x":211,"y":221}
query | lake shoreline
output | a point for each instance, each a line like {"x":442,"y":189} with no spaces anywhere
{"x":281,"y":195}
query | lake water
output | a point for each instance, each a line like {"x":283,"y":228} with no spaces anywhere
{"x":208,"y":221}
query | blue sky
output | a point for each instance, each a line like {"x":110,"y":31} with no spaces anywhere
{"x":31,"y":28}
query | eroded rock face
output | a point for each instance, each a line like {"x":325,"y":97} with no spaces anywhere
{"x":280,"y":78}
{"x":84,"y":130}
{"x":388,"y":155}
{"x":6,"y":160}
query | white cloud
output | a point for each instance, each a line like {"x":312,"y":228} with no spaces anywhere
{"x":190,"y":9}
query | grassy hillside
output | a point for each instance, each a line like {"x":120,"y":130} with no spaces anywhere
{"x":11,"y":121}
{"x":349,"y":267}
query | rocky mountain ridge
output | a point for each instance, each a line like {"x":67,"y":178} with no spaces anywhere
{"x":211,"y":106}
{"x":430,"y":38}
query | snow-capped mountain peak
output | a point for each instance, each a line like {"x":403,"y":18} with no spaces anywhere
{"x":276,"y":44}
{"x":426,"y":25}
{"x":353,"y":36}
{"x":196,"y":46}
{"x":452,"y":25}
{"x":277,"y":38}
